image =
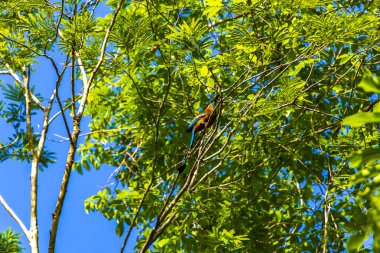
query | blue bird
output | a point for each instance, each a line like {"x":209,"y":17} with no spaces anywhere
{"x":199,"y":123}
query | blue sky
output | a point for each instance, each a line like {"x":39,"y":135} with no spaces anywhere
{"x":78,"y":231}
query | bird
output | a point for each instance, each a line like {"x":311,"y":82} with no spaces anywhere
{"x":199,"y":123}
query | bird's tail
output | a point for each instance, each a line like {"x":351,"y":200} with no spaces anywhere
{"x":192,"y":138}
{"x":183,"y":165}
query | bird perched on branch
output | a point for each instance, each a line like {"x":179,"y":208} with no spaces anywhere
{"x":201,"y":122}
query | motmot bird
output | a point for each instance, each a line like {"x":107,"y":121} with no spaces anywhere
{"x":201,"y":122}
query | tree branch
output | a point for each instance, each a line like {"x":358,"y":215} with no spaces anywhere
{"x":33,"y":236}
{"x":14,"y":216}
{"x":75,"y":133}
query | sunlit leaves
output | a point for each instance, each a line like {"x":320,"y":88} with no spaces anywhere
{"x":226,"y":240}
{"x":362,"y":118}
{"x":272,"y":173}
{"x":132,"y":33}
{"x":120,"y":229}
{"x":10,"y":242}
{"x":13,"y":111}
{"x":191,"y":32}
{"x":163,"y":242}
{"x":297,"y":68}
{"x":212,"y":8}
{"x":369,"y":177}
{"x":77,"y":32}
{"x":370,"y":82}
{"x":288,"y":73}
{"x":39,"y":29}
{"x":364,"y":156}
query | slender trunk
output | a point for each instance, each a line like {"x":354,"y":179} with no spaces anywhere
{"x":76,"y":130}
{"x":33,"y":238}
{"x":33,"y":232}
{"x":64,"y":185}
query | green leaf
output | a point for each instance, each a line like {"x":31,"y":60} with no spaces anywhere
{"x":364,"y":156}
{"x":211,"y":11}
{"x":356,"y":242}
{"x":163,"y":242}
{"x":204,"y":70}
{"x":344,"y":58}
{"x":120,"y":229}
{"x":359,"y":119}
{"x":369,"y":82}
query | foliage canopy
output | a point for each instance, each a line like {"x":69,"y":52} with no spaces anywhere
{"x":291,"y":163}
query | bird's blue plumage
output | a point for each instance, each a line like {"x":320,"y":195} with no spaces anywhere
{"x":192,"y":138}
{"x":192,"y":124}
{"x":195,"y":120}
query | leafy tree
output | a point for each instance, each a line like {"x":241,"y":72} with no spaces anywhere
{"x":9,"y":242}
{"x":291,"y":162}
{"x":32,"y":31}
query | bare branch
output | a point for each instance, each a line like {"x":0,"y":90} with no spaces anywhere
{"x":81,"y":67}
{"x":10,"y":144}
{"x":14,"y":216}
{"x":164,"y":226}
{"x":13,"y":74}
